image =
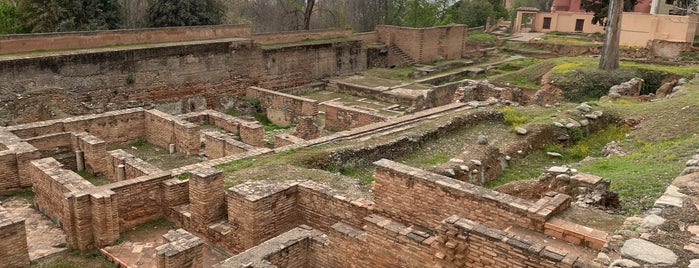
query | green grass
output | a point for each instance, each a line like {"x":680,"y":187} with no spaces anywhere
{"x":74,"y":259}
{"x":642,"y":176}
{"x":399,"y":73}
{"x":480,"y":39}
{"x":92,"y":178}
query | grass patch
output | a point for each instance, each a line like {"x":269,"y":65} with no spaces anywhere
{"x":399,"y":73}
{"x":529,"y":76}
{"x":480,"y":39}
{"x":74,"y":259}
{"x":642,"y":176}
{"x":532,"y":165}
{"x":513,"y":117}
{"x":92,"y":178}
{"x":183,"y":176}
{"x":364,"y":174}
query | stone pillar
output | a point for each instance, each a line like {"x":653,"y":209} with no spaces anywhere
{"x":121,"y":172}
{"x":14,"y":251}
{"x":80,"y":160}
{"x":171,"y":147}
{"x":184,"y":250}
{"x":206,"y":196}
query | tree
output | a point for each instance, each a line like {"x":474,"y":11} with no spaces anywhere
{"x":475,"y":13}
{"x":165,"y":13}
{"x":308,"y":11}
{"x":608,"y":14}
{"x":69,"y":15}
{"x":8,"y":18}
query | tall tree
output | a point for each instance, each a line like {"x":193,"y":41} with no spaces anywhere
{"x":308,"y":11}
{"x":165,"y":13}
{"x":476,"y":13}
{"x":69,"y":15}
{"x":608,"y":14}
{"x":9,"y":23}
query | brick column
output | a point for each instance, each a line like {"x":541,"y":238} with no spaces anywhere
{"x":184,"y":250}
{"x":206,"y":196}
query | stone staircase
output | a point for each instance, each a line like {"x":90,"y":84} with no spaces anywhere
{"x":405,"y":60}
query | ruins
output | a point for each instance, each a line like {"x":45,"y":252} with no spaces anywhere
{"x":176,"y":98}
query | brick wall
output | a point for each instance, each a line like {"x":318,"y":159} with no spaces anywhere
{"x":139,"y":199}
{"x":281,"y":140}
{"x":259,"y":217}
{"x":296,"y":36}
{"x":75,"y":40}
{"x":175,"y":193}
{"x":14,"y":252}
{"x":434,"y":197}
{"x":133,"y":167}
{"x":339,"y":117}
{"x":115,"y":127}
{"x":250,"y":132}
{"x":221,"y":144}
{"x":206,"y":196}
{"x":281,"y":108}
{"x":95,"y":152}
{"x":50,"y":182}
{"x":387,"y":96}
{"x":184,"y":250}
{"x":426,"y":44}
{"x":163,"y":129}
{"x":92,"y":219}
{"x":291,"y":65}
{"x":8,"y":171}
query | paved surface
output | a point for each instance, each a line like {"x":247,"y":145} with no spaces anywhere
{"x":525,"y":37}
{"x":43,"y":236}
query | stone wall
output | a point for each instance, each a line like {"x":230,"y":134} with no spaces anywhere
{"x":281,"y":108}
{"x":250,"y":132}
{"x":14,"y":252}
{"x":339,"y":117}
{"x":75,"y":40}
{"x":434,"y":197}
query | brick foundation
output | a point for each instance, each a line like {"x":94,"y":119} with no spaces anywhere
{"x":14,"y":252}
{"x":184,"y":250}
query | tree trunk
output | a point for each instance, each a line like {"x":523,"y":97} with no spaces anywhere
{"x":609,"y":59}
{"x":307,"y":14}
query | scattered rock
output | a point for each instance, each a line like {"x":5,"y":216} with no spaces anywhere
{"x":558,"y":169}
{"x":558,"y":124}
{"x":603,"y":258}
{"x":613,"y":148}
{"x":521,"y":131}
{"x":584,"y":107}
{"x":624,"y":263}
{"x":694,"y":229}
{"x":648,"y":252}
{"x":482,"y":139}
{"x":630,"y":88}
{"x":476,"y":162}
{"x":693,"y":247}
{"x":554,"y":154}
{"x":652,"y":221}
{"x":693,"y":263}
{"x":591,"y":116}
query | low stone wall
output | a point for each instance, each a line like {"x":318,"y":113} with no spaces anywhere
{"x":14,"y":252}
{"x":434,"y":197}
{"x":75,"y":40}
{"x":339,"y":117}
{"x":94,"y":152}
{"x":576,"y":233}
{"x":184,"y":250}
{"x":281,"y":108}
{"x":133,"y":167}
{"x":297,"y":36}
{"x":163,"y":129}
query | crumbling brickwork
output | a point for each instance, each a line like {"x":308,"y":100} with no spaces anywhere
{"x":133,"y":167}
{"x":281,"y":108}
{"x":339,"y":117}
{"x":184,"y":250}
{"x":14,"y":252}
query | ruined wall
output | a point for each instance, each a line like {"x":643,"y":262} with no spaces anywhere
{"x":75,"y":40}
{"x":50,"y":182}
{"x":8,"y":171}
{"x":14,"y":252}
{"x":387,"y":96}
{"x":133,"y":167}
{"x":134,"y":76}
{"x":293,"y":65}
{"x":297,"y":36}
{"x":426,"y":44}
{"x":94,"y":151}
{"x":250,"y":132}
{"x":184,"y":250}
{"x":339,"y":117}
{"x":58,"y":145}
{"x":163,"y":129}
{"x":281,"y":108}
{"x":221,"y":145}
{"x":433,"y":197}
{"x":139,"y":199}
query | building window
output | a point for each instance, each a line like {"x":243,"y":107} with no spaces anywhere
{"x":579,"y":25}
{"x":547,"y":23}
